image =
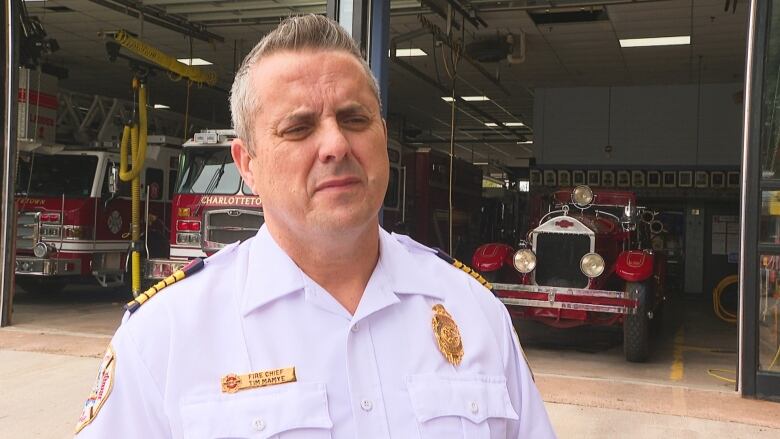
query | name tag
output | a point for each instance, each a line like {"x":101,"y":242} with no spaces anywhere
{"x":232,"y":383}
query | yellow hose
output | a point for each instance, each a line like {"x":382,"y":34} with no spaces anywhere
{"x":720,"y":311}
{"x":137,"y":134}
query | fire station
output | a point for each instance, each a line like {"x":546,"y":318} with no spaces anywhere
{"x":608,"y":167}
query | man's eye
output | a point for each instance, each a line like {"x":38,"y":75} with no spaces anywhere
{"x":357,"y":120}
{"x":296,"y":131}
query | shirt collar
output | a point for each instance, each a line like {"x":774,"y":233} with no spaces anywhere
{"x":405,"y":270}
{"x":272,"y":274}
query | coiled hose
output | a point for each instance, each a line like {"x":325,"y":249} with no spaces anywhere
{"x":720,"y":310}
{"x":136,"y":133}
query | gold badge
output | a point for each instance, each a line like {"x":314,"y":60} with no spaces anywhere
{"x":447,"y":335}
{"x":232,"y":383}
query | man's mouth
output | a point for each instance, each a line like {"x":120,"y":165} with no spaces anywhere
{"x":337,"y":184}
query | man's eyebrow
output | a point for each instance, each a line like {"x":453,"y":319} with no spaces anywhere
{"x":296,"y":116}
{"x":352,"y":109}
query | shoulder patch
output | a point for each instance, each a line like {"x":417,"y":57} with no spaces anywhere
{"x":191,"y":268}
{"x":104,"y":383}
{"x":465,"y":268}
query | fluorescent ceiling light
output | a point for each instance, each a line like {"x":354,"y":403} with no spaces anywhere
{"x":525,"y":142}
{"x":660,"y":41}
{"x":410,"y":52}
{"x":514,"y":124}
{"x":491,"y":124}
{"x":161,"y":106}
{"x":447,"y":98}
{"x":194,"y":61}
{"x":475,"y":98}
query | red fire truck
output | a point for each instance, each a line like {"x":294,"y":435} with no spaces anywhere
{"x":73,"y":213}
{"x":212,"y":207}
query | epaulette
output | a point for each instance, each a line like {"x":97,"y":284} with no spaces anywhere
{"x":191,"y":268}
{"x":463,"y":267}
{"x":188,"y":270}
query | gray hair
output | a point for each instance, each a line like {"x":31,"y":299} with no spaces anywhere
{"x":296,"y":33}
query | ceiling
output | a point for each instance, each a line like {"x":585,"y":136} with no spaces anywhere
{"x":565,"y":54}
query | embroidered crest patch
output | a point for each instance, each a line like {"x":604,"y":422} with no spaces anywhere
{"x":100,"y":391}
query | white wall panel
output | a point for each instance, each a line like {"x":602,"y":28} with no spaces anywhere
{"x":649,"y":126}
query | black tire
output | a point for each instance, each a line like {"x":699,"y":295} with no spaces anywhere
{"x":41,"y":286}
{"x":656,"y":323}
{"x":636,"y":327}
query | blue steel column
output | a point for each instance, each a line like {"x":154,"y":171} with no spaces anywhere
{"x":749,"y":200}
{"x":369,"y":24}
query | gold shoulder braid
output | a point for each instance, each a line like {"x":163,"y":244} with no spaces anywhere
{"x":465,"y":268}
{"x":188,"y":270}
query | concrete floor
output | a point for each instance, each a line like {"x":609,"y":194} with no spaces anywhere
{"x":49,"y":357}
{"x":692,"y":342}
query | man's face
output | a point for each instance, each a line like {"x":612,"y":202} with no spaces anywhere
{"x":319,"y":140}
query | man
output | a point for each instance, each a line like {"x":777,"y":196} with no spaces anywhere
{"x":323,"y":325}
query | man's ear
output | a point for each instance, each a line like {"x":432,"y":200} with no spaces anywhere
{"x":240,"y":152}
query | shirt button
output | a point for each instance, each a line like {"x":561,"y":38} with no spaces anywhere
{"x":474,"y":407}
{"x":259,"y":424}
{"x":366,"y":405}
{"x":355,"y":328}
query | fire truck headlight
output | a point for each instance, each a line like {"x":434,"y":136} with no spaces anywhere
{"x":592,"y":265}
{"x":41,"y":250}
{"x":189,"y":239}
{"x":524,"y":260}
{"x":582,"y":196}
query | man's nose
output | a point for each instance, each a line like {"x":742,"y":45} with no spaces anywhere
{"x":334,"y":145}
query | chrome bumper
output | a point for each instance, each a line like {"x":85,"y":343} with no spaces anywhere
{"x":28,"y":265}
{"x":616,"y":302}
{"x":156,"y":269}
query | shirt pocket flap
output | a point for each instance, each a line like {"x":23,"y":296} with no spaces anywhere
{"x":474,"y":397}
{"x":258,"y":413}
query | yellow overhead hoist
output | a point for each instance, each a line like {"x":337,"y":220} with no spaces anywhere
{"x":134,"y":133}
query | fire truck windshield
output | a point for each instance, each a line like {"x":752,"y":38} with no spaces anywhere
{"x":55,"y":175}
{"x":208,"y":171}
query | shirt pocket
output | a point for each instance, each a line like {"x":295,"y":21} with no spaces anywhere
{"x":290,"y":411}
{"x":471,"y":406}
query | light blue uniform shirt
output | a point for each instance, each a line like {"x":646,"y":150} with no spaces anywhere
{"x":376,"y":374}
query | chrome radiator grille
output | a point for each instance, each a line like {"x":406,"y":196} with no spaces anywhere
{"x":27,"y":230}
{"x":226,"y":226}
{"x":558,"y":259}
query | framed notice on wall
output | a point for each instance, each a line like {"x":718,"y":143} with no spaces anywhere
{"x":594,"y":178}
{"x":732,"y":179}
{"x":685,"y":179}
{"x":718,"y":179}
{"x":564,"y":178}
{"x":701,"y":179}
{"x":623,"y":178}
{"x":549,"y":177}
{"x":535,"y":177}
{"x":578,"y":177}
{"x":653,"y":179}
{"x":638,"y":178}
{"x":608,"y":178}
